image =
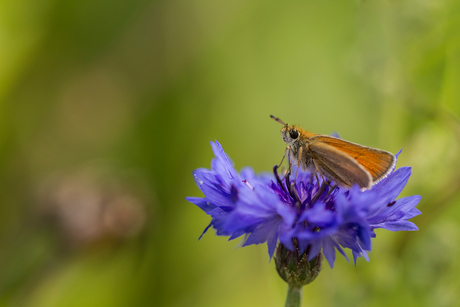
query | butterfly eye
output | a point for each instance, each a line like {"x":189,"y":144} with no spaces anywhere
{"x":294,"y":134}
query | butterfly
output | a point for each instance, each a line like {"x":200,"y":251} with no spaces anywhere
{"x":343,"y":162}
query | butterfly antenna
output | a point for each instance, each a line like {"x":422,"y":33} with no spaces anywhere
{"x":278,"y":120}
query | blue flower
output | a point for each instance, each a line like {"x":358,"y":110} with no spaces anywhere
{"x":302,"y":213}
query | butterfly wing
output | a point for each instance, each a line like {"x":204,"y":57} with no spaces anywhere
{"x":339,"y":166}
{"x":378,"y":163}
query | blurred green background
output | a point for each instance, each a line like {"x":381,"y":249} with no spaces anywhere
{"x":106,"y":107}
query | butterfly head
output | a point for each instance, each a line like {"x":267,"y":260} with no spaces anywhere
{"x":290,"y":134}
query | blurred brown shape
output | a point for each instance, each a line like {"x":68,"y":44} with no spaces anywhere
{"x":85,"y":209}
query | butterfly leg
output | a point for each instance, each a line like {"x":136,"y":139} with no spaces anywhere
{"x":299,"y":160}
{"x":288,"y":150}
{"x":316,"y":176}
{"x":285,"y":151}
{"x":319,"y":171}
{"x":289,"y":159}
{"x":282,"y":159}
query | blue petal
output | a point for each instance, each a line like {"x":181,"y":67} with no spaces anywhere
{"x":318,"y":215}
{"x":389,"y":188}
{"x":287,"y":213}
{"x":336,"y":135}
{"x":398,"y":226}
{"x":218,"y":212}
{"x":413,"y":212}
{"x":360,"y":254}
{"x":262,"y":178}
{"x":364,"y":253}
{"x":406,"y":203}
{"x":236,"y":221}
{"x":355,"y":256}
{"x":341,"y":251}
{"x":202,"y":203}
{"x":364,"y":238}
{"x":205,"y":230}
{"x":236,"y":234}
{"x":329,"y":251}
{"x":315,"y":248}
{"x":272,"y":240}
{"x":401,"y":209}
{"x":263,"y":232}
{"x":286,"y":239}
{"x":226,"y":164}
{"x":303,"y":244}
{"x":216,"y":195}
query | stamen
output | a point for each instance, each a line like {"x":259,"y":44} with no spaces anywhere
{"x":331,"y":189}
{"x":288,"y":185}
{"x":298,"y":202}
{"x":247,"y":183}
{"x":275,"y":170}
{"x":318,"y":193}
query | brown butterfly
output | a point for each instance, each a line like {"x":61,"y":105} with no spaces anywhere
{"x":343,"y":162}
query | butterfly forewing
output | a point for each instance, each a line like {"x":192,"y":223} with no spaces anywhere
{"x":339,"y":166}
{"x":377,"y":162}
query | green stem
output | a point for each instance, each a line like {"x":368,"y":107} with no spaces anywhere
{"x":294,"y":297}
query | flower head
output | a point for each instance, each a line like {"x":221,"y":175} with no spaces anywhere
{"x":303,"y":213}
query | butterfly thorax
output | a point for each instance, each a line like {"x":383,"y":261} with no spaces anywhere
{"x":298,"y":140}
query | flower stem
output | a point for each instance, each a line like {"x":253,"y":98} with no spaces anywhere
{"x":294,"y":297}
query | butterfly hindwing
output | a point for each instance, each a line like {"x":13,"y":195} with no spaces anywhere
{"x":377,"y":162}
{"x":339,"y":166}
